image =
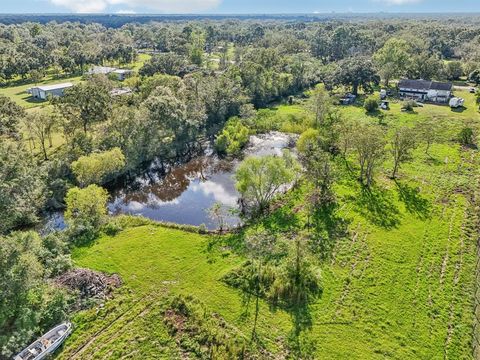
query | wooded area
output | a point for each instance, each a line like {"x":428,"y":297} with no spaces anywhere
{"x":367,"y":228}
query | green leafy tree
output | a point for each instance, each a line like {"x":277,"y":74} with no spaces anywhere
{"x":166,"y":63}
{"x":369,"y":143}
{"x":22,"y":187}
{"x":454,"y":70}
{"x":40,"y":125}
{"x":358,"y":72}
{"x":259,"y":179}
{"x":260,"y":247}
{"x":425,"y":66}
{"x":298,"y":281}
{"x":86,"y":207}
{"x":467,"y":137}
{"x":168,"y":119}
{"x":233,"y":138}
{"x":85,"y":104}
{"x":427,"y":132}
{"x":474,"y":76}
{"x":97,"y":168}
{"x":29,"y":304}
{"x":317,"y":164}
{"x":320,"y":104}
{"x":371,"y":104}
{"x":10,"y":115}
{"x":393,"y":59}
{"x":404,"y":141}
{"x":36,"y":76}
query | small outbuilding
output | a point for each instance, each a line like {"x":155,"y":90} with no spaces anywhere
{"x":43,"y":92}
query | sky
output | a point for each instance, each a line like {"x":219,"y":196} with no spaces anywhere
{"x":235,"y":6}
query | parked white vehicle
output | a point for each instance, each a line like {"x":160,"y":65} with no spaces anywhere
{"x":46,"y":344}
{"x":456,"y":102}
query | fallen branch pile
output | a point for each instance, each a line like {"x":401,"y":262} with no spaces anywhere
{"x":90,"y":284}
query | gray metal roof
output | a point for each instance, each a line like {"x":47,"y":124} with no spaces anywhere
{"x":441,"y":86}
{"x":54,"y":86}
{"x":424,"y":85}
{"x":414,"y":84}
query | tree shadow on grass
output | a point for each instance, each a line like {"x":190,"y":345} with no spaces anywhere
{"x":430,"y":160}
{"x":377,"y":205}
{"x":326,"y":228}
{"x":281,"y":219}
{"x":413,"y":200}
{"x":302,"y":322}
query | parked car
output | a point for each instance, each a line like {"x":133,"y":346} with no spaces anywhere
{"x":385,"y":105}
{"x":383,"y":94}
{"x":348,"y":99}
{"x":473,"y":90}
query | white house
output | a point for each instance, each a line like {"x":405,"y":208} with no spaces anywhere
{"x":44,"y":91}
{"x":425,"y":90}
{"x":122,"y":74}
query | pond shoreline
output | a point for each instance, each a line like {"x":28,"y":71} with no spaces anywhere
{"x":182,"y":194}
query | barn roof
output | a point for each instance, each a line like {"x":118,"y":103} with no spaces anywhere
{"x":441,"y":86}
{"x":414,"y":84}
{"x":424,"y":85}
{"x":54,"y":86}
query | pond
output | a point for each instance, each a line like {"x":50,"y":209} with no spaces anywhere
{"x":186,"y":192}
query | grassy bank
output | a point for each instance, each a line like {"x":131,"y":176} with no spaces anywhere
{"x":399,"y":283}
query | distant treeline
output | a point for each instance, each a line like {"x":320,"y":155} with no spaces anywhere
{"x":119,"y":20}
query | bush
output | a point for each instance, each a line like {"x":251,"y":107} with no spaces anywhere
{"x":86,"y":208}
{"x":30,"y":304}
{"x":371,"y":104}
{"x":466,"y":137}
{"x":408,"y":105}
{"x":233,"y":138}
{"x":112,"y":227}
{"x":98,"y":168}
{"x":201,"y":334}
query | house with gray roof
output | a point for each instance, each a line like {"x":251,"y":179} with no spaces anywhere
{"x":425,"y":90}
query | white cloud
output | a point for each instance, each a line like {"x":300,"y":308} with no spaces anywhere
{"x":401,"y":2}
{"x":162,"y":6}
{"x":126,"y":12}
{"x":219,"y":193}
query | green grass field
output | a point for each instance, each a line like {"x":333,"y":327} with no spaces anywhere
{"x":18,"y":93}
{"x":399,"y":285}
{"x":21,"y":97}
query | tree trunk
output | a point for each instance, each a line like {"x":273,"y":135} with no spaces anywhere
{"x":395,"y":170}
{"x":44,"y":149}
{"x":355,"y":89}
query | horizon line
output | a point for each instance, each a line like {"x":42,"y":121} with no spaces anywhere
{"x":255,"y":13}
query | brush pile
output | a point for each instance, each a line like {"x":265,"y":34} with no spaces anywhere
{"x":89,"y":284}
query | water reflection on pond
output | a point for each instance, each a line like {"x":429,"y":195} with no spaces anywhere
{"x":186,"y":192}
{"x":183,"y":196}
